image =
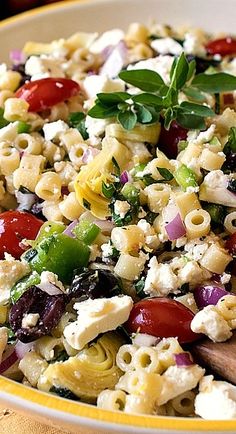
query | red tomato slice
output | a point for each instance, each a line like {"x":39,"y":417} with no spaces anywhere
{"x":231,"y":244}
{"x":14,"y":227}
{"x":45,"y":93}
{"x":224,"y":46}
{"x":163,"y":318}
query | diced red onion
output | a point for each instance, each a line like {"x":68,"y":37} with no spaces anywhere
{"x":106,"y":226}
{"x":49,"y":288}
{"x":17,"y":56}
{"x":106,"y":52}
{"x":124,"y":177}
{"x":8,"y":361}
{"x":143,"y":339}
{"x":175,"y":229}
{"x":115,"y":61}
{"x":69,"y":230}
{"x":208,"y":294}
{"x":25,"y":200}
{"x":183,"y":360}
{"x":89,"y":154}
{"x":21,"y":349}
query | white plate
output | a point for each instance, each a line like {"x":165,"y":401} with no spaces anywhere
{"x":61,"y":20}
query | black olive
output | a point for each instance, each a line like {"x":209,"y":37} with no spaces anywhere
{"x":203,"y":63}
{"x":49,"y":307}
{"x":230,"y":162}
{"x":21,"y":69}
{"x":94,"y":284}
{"x":232,"y":185}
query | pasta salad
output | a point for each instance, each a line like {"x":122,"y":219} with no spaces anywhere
{"x":118,"y":210}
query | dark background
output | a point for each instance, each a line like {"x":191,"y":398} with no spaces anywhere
{"x":13,"y":7}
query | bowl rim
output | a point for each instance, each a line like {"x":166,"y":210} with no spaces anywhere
{"x":50,"y":405}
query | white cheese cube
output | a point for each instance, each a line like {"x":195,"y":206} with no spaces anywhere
{"x":95,"y":317}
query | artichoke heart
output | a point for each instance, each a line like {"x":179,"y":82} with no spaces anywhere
{"x":140,"y":133}
{"x":92,"y":370}
{"x":88,"y":184}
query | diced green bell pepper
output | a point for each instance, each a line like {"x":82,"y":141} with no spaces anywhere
{"x":86,"y":231}
{"x":60,"y":254}
{"x":185,"y":177}
{"x":131,"y":193}
{"x":22,"y":285}
{"x":47,"y":229}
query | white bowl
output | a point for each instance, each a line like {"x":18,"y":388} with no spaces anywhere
{"x":61,"y":20}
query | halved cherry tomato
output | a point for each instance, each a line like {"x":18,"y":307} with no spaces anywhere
{"x":163,"y":318}
{"x":14,"y":227}
{"x":231,"y":244}
{"x":45,"y":93}
{"x":169,"y":139}
{"x":224,"y":46}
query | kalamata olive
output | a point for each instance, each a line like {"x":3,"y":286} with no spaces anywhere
{"x":49,"y":307}
{"x":230,"y":162}
{"x":94,"y":284}
{"x":168,"y":140}
{"x":202,"y":63}
{"x":21,"y":69}
{"x":232,"y":185}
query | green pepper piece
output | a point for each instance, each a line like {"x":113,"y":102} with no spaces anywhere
{"x":47,"y":229}
{"x":86,"y":231}
{"x":23,"y":127}
{"x":185,"y":177}
{"x":60,"y":254}
{"x":217,"y":212}
{"x":131,"y":193}
{"x":22,"y":285}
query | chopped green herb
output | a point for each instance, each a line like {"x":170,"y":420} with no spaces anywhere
{"x":77,"y":120}
{"x":86,"y":204}
{"x":165,"y":173}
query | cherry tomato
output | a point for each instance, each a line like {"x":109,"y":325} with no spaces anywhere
{"x":231,"y":244}
{"x":14,"y":227}
{"x":45,"y":93}
{"x":169,"y":139}
{"x":163,"y":318}
{"x":224,"y":46}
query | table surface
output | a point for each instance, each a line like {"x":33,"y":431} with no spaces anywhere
{"x":14,"y":423}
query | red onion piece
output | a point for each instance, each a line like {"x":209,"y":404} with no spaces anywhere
{"x":208,"y":294}
{"x":69,"y":230}
{"x":143,"y":339}
{"x":124,"y":177}
{"x":175,"y":229}
{"x":115,"y":61}
{"x":183,"y":360}
{"x":49,"y":288}
{"x":8,"y":361}
{"x":21,"y":349}
{"x":106,"y":226}
{"x":25,"y":200}
{"x":17,"y":56}
{"x":89,"y":154}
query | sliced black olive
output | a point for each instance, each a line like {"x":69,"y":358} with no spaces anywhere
{"x":94,"y":284}
{"x":232,"y":185}
{"x":49,"y":307}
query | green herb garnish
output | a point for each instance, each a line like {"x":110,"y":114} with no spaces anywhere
{"x":159,"y":99}
{"x":77,"y":120}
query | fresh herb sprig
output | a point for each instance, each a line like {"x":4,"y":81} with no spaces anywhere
{"x":159,"y":99}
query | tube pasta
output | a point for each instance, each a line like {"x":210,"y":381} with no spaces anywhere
{"x":70,"y":207}
{"x":215,"y":259}
{"x":112,"y":400}
{"x":128,"y":238}
{"x":147,"y":359}
{"x":198,"y":223}
{"x":9,"y":158}
{"x":139,"y":404}
{"x":166,"y":349}
{"x":157,"y":196}
{"x":184,"y":403}
{"x":3,"y":341}
{"x":186,"y":202}
{"x":15,"y":109}
{"x":141,"y":383}
{"x":27,"y":175}
{"x":210,"y":160}
{"x":129,"y":267}
{"x":125,"y":357}
{"x":229,"y":222}
{"x":31,"y":144}
{"x":47,"y":347}
{"x":49,"y":186}
{"x":227,"y":307}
